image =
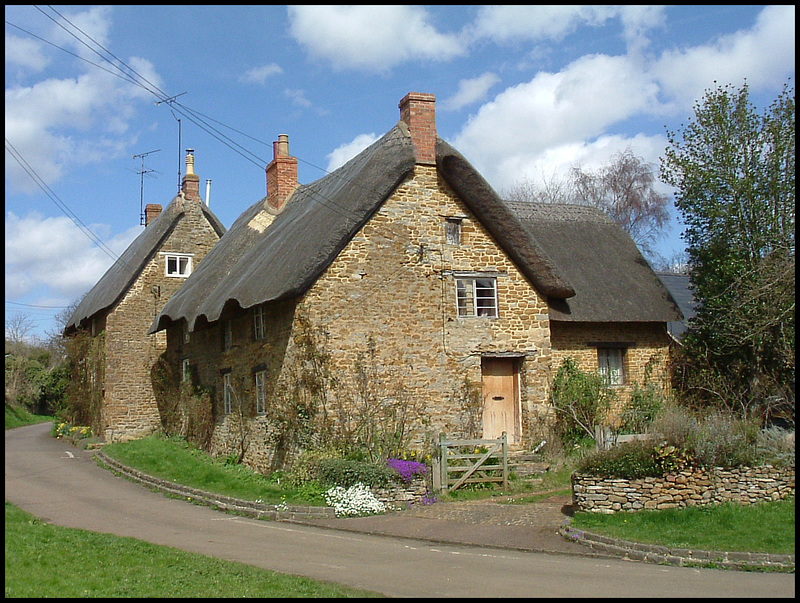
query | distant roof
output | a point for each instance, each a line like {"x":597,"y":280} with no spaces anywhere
{"x":612,"y":280}
{"x":125,"y":270}
{"x":680,"y":286}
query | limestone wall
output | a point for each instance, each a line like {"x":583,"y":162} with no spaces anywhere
{"x":692,"y":487}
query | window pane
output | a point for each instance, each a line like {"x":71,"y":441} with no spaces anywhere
{"x":172,"y":265}
{"x":611,"y":362}
{"x":486,"y":297}
{"x":464,"y":292}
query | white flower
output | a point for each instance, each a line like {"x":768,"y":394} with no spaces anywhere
{"x":355,"y":500}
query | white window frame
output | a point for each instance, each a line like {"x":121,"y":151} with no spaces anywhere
{"x":182,"y":264}
{"x":476,"y":296}
{"x":226,"y":393}
{"x":260,"y":378}
{"x":259,"y":322}
{"x":611,"y":365}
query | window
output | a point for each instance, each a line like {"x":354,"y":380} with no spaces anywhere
{"x":477,"y":296}
{"x":179,"y":264}
{"x":227,"y":335}
{"x":186,"y":373}
{"x":611,"y":363}
{"x":260,"y":323}
{"x":452,"y":229}
{"x":227,"y":393}
{"x":261,"y":391}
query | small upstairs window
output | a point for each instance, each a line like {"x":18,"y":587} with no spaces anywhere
{"x":178,"y":264}
{"x":452,"y":229}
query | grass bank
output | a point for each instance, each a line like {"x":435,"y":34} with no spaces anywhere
{"x":175,"y":460}
{"x":43,"y":560}
{"x":17,"y":416}
{"x":766,"y":527}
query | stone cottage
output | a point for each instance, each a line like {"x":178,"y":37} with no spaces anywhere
{"x":124,"y":302}
{"x":401,"y":284}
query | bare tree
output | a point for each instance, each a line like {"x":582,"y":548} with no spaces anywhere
{"x":624,"y":189}
{"x":18,"y":327}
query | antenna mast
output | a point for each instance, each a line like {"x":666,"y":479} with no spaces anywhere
{"x":141,"y":185}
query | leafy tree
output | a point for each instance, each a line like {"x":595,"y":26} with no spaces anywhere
{"x":624,"y":189}
{"x":734,"y":171}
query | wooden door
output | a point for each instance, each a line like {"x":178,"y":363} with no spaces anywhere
{"x":500,"y":398}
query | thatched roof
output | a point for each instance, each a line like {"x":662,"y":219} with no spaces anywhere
{"x":613,"y":282}
{"x":113,"y":285}
{"x":253,"y":264}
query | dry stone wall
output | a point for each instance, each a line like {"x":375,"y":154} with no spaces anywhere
{"x":691,"y":487}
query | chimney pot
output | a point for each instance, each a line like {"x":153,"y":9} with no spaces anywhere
{"x":191,"y":181}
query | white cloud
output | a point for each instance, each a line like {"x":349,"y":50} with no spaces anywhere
{"x":344,"y":153}
{"x":54,"y":253}
{"x":504,"y":23}
{"x":49,"y":122}
{"x":471,"y":91}
{"x":24,"y":52}
{"x":370,"y":38}
{"x":554,"y":110}
{"x":765,"y":55}
{"x":259,"y":75}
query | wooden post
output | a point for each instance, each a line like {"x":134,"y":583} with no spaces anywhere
{"x":443,"y":455}
{"x":505,"y":461}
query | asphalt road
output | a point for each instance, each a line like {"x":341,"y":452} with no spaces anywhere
{"x":63,"y":485}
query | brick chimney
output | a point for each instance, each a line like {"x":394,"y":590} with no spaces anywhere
{"x":418,"y":111}
{"x":191,"y":181}
{"x":151,"y":212}
{"x":281,"y":174}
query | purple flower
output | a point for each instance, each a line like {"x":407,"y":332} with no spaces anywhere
{"x":407,"y":469}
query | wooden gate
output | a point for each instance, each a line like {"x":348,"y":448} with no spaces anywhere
{"x":472,"y":462}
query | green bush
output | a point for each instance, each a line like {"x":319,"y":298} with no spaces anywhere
{"x":346,"y":473}
{"x":628,"y":460}
{"x":581,"y":401}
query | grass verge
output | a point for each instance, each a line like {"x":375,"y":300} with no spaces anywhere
{"x":17,"y":416}
{"x":175,"y":460}
{"x":766,"y":527}
{"x":43,"y":560}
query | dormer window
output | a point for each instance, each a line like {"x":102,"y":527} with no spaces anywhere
{"x":178,"y":264}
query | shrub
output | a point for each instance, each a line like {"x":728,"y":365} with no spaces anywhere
{"x":337,"y":471}
{"x":628,"y":460}
{"x":581,"y":401}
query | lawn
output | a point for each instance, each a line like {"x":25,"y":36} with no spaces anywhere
{"x":43,"y":560}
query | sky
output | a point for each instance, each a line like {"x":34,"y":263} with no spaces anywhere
{"x":103,"y":101}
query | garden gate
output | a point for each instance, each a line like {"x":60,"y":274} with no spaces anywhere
{"x":471,"y":462}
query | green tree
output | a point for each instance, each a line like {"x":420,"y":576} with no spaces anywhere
{"x":734,"y":171}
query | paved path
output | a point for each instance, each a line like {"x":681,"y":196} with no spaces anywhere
{"x":523,"y":527}
{"x":63,"y":485}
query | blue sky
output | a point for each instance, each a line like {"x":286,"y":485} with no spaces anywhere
{"x":523,"y":92}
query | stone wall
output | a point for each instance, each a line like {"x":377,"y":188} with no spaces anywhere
{"x":129,"y":405}
{"x":691,"y":487}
